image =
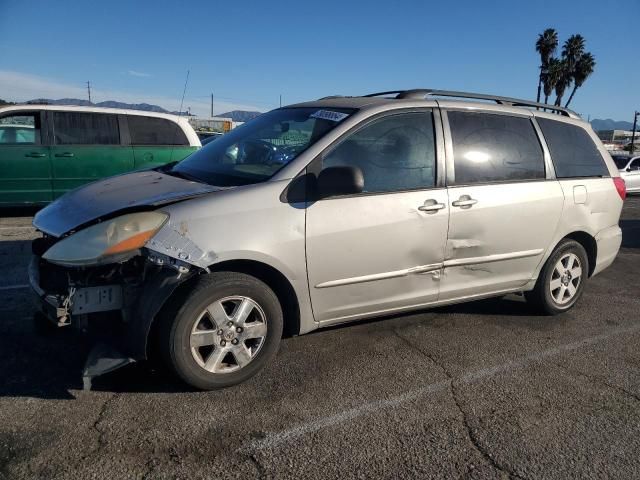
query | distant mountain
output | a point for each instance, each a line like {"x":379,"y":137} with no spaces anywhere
{"x":608,"y":124}
{"x":145,"y":107}
{"x":132,"y":106}
{"x":240,"y":115}
{"x":61,"y":101}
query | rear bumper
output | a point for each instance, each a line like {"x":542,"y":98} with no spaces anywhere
{"x":608,"y":241}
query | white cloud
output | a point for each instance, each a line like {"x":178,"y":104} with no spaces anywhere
{"x":135,"y":73}
{"x":20,"y":87}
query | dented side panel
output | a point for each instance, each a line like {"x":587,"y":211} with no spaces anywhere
{"x":497,"y":243}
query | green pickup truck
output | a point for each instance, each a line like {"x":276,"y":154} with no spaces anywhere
{"x":47,"y":150}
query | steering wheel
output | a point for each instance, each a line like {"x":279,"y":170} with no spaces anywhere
{"x":266,"y":149}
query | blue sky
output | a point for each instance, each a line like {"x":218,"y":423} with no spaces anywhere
{"x":248,"y":53}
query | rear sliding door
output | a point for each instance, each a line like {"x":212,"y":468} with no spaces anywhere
{"x":505,"y":205}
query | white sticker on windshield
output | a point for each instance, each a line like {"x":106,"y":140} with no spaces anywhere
{"x":329,"y":115}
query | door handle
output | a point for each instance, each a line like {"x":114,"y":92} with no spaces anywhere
{"x":35,"y":155}
{"x":431,"y":206}
{"x":465,"y":201}
{"x":64,"y":155}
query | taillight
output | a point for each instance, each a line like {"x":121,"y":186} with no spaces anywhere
{"x":620,"y":187}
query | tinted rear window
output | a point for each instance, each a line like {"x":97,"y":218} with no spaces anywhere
{"x":80,"y":128}
{"x":572,"y":150}
{"x":494,"y":148}
{"x":155,"y":131}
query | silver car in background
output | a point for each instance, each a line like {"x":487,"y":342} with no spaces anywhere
{"x":629,"y":167}
{"x":327,"y":212}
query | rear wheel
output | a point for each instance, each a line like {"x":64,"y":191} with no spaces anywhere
{"x":224,"y":331}
{"x":561,"y":281}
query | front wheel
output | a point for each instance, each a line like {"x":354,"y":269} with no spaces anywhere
{"x":562,"y":279}
{"x":224,"y":331}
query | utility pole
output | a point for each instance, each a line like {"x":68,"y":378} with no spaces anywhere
{"x":211,"y":104}
{"x":89,"y":90}
{"x":633,"y":134}
{"x":280,"y":100}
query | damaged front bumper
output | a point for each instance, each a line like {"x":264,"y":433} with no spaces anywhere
{"x":59,"y":307}
{"x":115,"y":304}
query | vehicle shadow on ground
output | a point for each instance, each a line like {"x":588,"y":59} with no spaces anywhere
{"x":47,"y":363}
{"x":43,"y":361}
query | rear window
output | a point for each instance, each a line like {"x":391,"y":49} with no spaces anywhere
{"x":155,"y":131}
{"x":494,"y":148}
{"x":80,"y":128}
{"x":572,"y":150}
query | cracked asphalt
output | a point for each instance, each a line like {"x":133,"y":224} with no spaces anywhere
{"x":482,"y":390}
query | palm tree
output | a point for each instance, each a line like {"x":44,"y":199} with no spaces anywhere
{"x":583,"y":69}
{"x":554,"y":73}
{"x":546,"y":47}
{"x":572,"y":50}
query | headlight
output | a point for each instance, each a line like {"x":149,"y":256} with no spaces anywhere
{"x":106,"y":241}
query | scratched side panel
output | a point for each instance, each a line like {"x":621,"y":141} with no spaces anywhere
{"x":244,"y":223}
{"x":516,"y":220}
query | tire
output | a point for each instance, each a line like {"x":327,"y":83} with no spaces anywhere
{"x":560,"y":298}
{"x":221,"y":332}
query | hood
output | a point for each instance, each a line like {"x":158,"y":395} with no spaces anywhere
{"x":106,"y":197}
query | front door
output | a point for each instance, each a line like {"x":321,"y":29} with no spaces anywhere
{"x":381,"y":250}
{"x":24,"y":159}
{"x":504,"y":208}
{"x":86,"y":148}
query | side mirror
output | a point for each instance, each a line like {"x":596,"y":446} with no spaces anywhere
{"x":628,"y":169}
{"x":339,"y":181}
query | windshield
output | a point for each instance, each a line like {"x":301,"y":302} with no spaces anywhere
{"x":620,"y":160}
{"x":255,"y":151}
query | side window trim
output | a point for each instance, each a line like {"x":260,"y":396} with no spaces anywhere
{"x":448,"y":147}
{"x":315,"y":166}
{"x":123,"y":126}
{"x":550,"y":169}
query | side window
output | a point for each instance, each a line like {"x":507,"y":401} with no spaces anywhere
{"x":395,"y":153}
{"x":635,"y":165}
{"x":494,"y":148}
{"x":21,"y":128}
{"x":85,"y":128}
{"x":572,"y":150}
{"x":155,"y":131}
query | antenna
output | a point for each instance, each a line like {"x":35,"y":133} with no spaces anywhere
{"x":175,"y":135}
{"x":89,"y":89}
{"x":183,"y":93}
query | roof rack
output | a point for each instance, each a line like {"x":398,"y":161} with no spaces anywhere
{"x":422,"y":93}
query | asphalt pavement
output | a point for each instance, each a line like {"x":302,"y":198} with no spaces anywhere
{"x":486,"y":389}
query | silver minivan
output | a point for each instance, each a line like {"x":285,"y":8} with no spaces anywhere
{"x":327,"y":212}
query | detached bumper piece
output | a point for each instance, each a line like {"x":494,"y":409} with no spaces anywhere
{"x":102,"y":359}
